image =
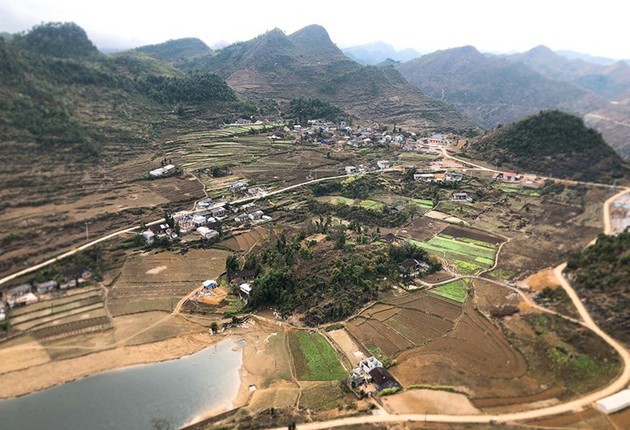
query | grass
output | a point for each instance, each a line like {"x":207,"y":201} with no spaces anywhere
{"x":323,"y":396}
{"x":423,"y":203}
{"x":455,"y":290}
{"x":371,"y":204}
{"x":314,"y":357}
{"x":509,"y":188}
{"x":468,"y":255}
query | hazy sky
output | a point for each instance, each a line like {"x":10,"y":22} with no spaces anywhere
{"x":593,"y":27}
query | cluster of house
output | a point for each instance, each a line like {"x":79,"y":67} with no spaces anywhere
{"x":328,"y":133}
{"x":372,"y":375}
{"x":28,"y":294}
{"x":207,"y":220}
{"x":242,"y":188}
{"x":530,"y":181}
{"x":354,"y":170}
{"x":438,"y":177}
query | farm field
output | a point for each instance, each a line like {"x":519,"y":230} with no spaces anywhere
{"x":423,"y":203}
{"x":455,"y":290}
{"x":314,"y":358}
{"x":243,"y":242}
{"x":157,"y":281}
{"x":388,"y":328}
{"x":469,"y":255}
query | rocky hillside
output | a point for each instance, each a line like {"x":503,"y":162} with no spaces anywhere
{"x":551,"y":143}
{"x":492,"y":90}
{"x":308,"y":64}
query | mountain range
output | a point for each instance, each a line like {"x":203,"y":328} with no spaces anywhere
{"x":495,"y":90}
{"x":378,"y":52}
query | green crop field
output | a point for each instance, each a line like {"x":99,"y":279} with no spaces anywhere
{"x":455,"y":290}
{"x":423,"y":203}
{"x":314,"y":357}
{"x":468,"y":255}
{"x":509,"y":188}
{"x":371,"y":204}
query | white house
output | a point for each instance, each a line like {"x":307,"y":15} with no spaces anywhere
{"x":351,"y":170}
{"x":369,"y":363}
{"x":425,"y":177}
{"x":245,"y":288}
{"x":438,"y":139}
{"x":461,"y":197}
{"x":199,"y":220}
{"x":207,"y":233}
{"x":256,"y":215}
{"x":452,"y":176}
{"x":148,"y":236}
{"x":382,"y":164}
{"x":46,"y":287}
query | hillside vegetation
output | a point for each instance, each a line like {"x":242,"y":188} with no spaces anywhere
{"x":551,"y":143}
{"x":600,"y":273}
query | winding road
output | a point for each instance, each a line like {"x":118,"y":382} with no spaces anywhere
{"x":619,"y":383}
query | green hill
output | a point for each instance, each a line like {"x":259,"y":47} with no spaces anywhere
{"x":57,"y":39}
{"x":176,"y":50}
{"x":308,"y":64}
{"x":551,"y":143}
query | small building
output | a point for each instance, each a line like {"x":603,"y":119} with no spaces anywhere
{"x":382,"y":164}
{"x":148,"y":236}
{"x":506,"y":177}
{"x":390,"y":238}
{"x":26,"y":299}
{"x":241,"y":219}
{"x":412,"y":267}
{"x":19,"y":290}
{"x":245,"y":276}
{"x":245,"y":288}
{"x":382,"y":379}
{"x":249,"y":207}
{"x":199,"y":220}
{"x":351,"y":170}
{"x":453,"y":176}
{"x":256,"y":215}
{"x":438,"y":139}
{"x":218,"y":211}
{"x":461,"y":197}
{"x":207,"y":233}
{"x":615,"y":403}
{"x":209,"y":284}
{"x":68,"y":285}
{"x":238,"y":186}
{"x":399,"y":208}
{"x":369,"y":363}
{"x":202,"y":204}
{"x":424,"y":177}
{"x":46,"y":287}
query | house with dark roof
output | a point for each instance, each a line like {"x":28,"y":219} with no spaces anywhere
{"x":412,"y":267}
{"x":382,"y":379}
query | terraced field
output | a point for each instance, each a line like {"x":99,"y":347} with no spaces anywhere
{"x":243,"y":241}
{"x":79,"y":311}
{"x":386,"y":329}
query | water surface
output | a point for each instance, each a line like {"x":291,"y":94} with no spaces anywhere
{"x":154,"y":396}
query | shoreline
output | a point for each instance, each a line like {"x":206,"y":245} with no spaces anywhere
{"x":30,"y":380}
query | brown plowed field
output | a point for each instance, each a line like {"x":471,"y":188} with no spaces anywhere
{"x":475,"y":346}
{"x":404,"y":322}
{"x":244,"y":241}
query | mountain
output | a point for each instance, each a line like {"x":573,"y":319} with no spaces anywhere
{"x":573,"y":55}
{"x":492,"y":90}
{"x":176,"y":50}
{"x":56,"y":39}
{"x":377,"y":52}
{"x":308,"y":64}
{"x":551,"y":143}
{"x":610,"y":81}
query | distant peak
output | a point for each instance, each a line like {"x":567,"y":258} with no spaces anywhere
{"x":541,"y":50}
{"x":312,"y":30}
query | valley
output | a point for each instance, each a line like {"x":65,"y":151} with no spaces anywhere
{"x":373,"y":255}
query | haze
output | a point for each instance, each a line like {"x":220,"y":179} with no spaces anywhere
{"x":490,"y":25}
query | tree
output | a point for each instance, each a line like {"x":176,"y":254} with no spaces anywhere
{"x":231,"y":265}
{"x":214,"y":327}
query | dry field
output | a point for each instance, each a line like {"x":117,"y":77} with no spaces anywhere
{"x":158,"y":280}
{"x":243,"y":242}
{"x":386,"y":329}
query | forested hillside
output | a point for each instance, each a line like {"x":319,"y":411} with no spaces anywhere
{"x":551,"y":143}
